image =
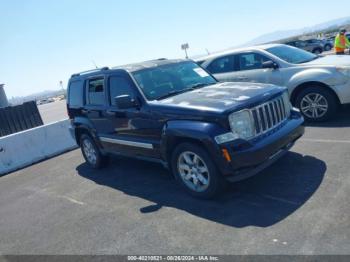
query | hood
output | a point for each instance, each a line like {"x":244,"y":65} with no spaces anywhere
{"x":331,"y":60}
{"x":223,"y":97}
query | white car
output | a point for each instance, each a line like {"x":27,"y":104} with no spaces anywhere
{"x":317,"y":85}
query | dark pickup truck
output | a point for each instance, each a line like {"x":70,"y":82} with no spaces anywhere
{"x":175,"y":113}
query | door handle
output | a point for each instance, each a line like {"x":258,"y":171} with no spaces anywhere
{"x":85,"y":111}
{"x":242,"y":78}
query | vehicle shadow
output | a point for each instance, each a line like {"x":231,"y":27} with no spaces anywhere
{"x":341,"y":119}
{"x":260,"y":201}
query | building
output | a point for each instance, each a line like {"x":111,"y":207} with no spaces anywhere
{"x":3,"y":99}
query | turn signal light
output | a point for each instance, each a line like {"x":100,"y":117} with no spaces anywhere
{"x":226,"y":155}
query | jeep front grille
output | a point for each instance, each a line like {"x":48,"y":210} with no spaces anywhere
{"x":269,"y":115}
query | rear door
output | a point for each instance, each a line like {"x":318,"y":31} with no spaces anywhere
{"x":96,"y":103}
{"x":225,"y":68}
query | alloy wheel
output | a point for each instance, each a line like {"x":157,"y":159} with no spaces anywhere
{"x":193,"y":171}
{"x":89,"y":151}
{"x":314,"y":105}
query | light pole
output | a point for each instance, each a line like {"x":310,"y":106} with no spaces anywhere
{"x":185,"y":47}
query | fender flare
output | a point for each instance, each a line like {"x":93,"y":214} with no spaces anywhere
{"x":199,"y":131}
{"x":84,"y":125}
{"x":321,"y":75}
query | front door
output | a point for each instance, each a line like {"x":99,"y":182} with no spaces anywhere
{"x":131,"y":131}
{"x":250,"y":68}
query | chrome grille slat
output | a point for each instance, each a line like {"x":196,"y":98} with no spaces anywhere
{"x":259,"y":120}
{"x":281,"y":108}
{"x":269,"y":115}
{"x":265,"y":117}
{"x":277,"y":110}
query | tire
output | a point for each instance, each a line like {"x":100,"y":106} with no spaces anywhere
{"x":316,"y":103}
{"x":196,"y":166}
{"x":317,"y":51}
{"x":91,"y":152}
{"x":327,"y":47}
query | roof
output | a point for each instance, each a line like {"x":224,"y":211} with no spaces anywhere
{"x":132,"y":67}
{"x":227,"y":52}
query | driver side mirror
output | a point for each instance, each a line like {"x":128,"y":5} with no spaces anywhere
{"x":126,"y":102}
{"x":270,"y":64}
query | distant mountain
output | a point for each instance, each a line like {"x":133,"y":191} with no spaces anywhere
{"x":284,"y":34}
{"x":36,"y":96}
{"x":274,"y":36}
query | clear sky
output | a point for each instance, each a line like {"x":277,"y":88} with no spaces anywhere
{"x":43,"y":42}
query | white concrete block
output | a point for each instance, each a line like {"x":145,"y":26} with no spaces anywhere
{"x":27,"y":147}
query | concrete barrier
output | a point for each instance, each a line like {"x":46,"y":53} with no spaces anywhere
{"x":27,"y":147}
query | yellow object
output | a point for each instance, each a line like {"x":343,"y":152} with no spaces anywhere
{"x":226,"y":155}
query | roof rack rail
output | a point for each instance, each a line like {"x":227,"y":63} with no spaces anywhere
{"x":91,"y":71}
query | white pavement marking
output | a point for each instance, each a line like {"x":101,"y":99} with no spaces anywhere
{"x":325,"y":141}
{"x":73,"y":200}
{"x":281,"y":200}
{"x":54,"y":194}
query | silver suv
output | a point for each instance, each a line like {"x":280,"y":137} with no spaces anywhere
{"x":317,"y":85}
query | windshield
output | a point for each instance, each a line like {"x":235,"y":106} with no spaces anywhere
{"x":291,"y":54}
{"x":171,"y":79}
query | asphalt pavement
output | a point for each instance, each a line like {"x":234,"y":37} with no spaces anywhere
{"x":300,"y":205}
{"x":53,"y":112}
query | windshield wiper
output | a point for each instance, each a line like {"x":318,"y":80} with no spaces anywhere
{"x":199,"y":85}
{"x":174,"y":92}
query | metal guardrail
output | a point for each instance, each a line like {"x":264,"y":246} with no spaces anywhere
{"x":14,"y":119}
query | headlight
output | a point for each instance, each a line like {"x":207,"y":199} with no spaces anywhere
{"x":345,"y":70}
{"x":242,"y":124}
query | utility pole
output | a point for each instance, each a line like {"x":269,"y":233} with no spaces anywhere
{"x":185,"y":47}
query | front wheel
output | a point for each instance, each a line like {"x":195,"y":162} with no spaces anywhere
{"x":196,"y":172}
{"x":316,"y":103}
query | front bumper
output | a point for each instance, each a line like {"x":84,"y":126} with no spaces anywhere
{"x":261,"y":154}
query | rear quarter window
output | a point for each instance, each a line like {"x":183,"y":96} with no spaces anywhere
{"x":75,"y":94}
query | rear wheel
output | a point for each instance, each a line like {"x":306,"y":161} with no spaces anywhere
{"x":327,"y":47}
{"x":91,"y":153}
{"x":316,"y":103}
{"x":317,"y":51}
{"x":196,"y":172}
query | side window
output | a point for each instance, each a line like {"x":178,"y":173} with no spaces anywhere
{"x":96,"y":94}
{"x":75,"y":94}
{"x":222,"y":65}
{"x":118,"y":86}
{"x":251,"y":61}
{"x":300,"y":44}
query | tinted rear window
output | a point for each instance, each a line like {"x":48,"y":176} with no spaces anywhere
{"x":75,"y":96}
